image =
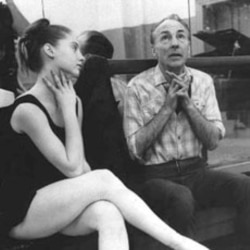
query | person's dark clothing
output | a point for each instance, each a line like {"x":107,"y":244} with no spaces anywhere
{"x":26,"y":172}
{"x":104,"y":141}
{"x":8,"y":64}
{"x":175,"y":197}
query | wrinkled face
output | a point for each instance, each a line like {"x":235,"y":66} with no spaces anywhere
{"x":68,"y":57}
{"x":171,"y":45}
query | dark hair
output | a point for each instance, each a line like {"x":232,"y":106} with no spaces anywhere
{"x":170,"y":17}
{"x":5,"y":14}
{"x":96,"y":43}
{"x":35,"y":36}
{"x":8,"y":64}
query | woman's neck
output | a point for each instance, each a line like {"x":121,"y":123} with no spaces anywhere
{"x":41,"y":90}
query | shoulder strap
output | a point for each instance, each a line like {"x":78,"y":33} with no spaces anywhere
{"x":32,"y":99}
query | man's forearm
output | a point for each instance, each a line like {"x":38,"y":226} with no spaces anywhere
{"x":147,"y":135}
{"x":204,"y":130}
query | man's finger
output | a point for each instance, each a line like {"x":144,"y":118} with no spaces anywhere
{"x":180,"y":83}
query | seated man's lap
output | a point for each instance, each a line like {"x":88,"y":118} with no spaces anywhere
{"x":217,"y":188}
{"x":175,"y":200}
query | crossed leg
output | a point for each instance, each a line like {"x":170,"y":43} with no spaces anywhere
{"x":56,"y":206}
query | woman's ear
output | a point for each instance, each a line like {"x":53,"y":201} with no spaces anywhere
{"x":49,"y":50}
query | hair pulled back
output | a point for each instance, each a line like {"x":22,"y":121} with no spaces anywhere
{"x":34,"y":37}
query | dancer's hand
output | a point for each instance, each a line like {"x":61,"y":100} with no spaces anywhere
{"x":63,"y":90}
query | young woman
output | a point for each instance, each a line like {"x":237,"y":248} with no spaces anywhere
{"x":51,"y":188}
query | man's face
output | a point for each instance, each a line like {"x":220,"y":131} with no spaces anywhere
{"x":171,"y":45}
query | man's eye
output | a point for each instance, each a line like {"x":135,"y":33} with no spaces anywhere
{"x":182,"y":37}
{"x":165,"y":37}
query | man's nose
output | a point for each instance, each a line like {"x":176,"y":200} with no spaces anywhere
{"x":174,"y":41}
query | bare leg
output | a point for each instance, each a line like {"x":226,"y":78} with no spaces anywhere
{"x":59,"y":204}
{"x":104,"y":217}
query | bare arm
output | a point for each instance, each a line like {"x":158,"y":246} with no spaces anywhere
{"x":206,"y":131}
{"x":29,"y":119}
{"x":19,"y":21}
{"x":80,"y":121}
{"x":146,"y":136}
{"x":79,"y":111}
{"x":66,"y":99}
{"x":6,"y":98}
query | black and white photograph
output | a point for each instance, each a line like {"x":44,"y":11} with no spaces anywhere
{"x":124,"y":124}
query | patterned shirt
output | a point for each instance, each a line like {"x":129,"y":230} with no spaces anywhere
{"x":144,"y":98}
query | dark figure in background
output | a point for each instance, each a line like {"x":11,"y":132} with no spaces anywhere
{"x":103,"y":98}
{"x":93,"y":42}
{"x":171,"y":112}
{"x":8,"y":65}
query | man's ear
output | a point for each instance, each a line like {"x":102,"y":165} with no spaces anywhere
{"x":49,"y":50}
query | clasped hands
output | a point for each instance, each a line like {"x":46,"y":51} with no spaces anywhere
{"x":177,"y":95}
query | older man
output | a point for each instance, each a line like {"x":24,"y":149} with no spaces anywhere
{"x":171,"y":113}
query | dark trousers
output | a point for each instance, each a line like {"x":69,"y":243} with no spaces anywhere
{"x":176,"y":197}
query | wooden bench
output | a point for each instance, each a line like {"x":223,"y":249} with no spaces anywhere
{"x":210,"y":223}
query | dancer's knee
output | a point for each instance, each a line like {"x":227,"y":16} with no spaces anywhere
{"x":108,"y":181}
{"x":107,"y":216}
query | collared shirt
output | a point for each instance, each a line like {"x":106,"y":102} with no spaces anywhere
{"x":144,"y":98}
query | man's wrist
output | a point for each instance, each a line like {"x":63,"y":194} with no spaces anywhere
{"x":188,"y":105}
{"x":168,"y":110}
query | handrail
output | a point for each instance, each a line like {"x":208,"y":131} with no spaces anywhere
{"x":133,"y":66}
